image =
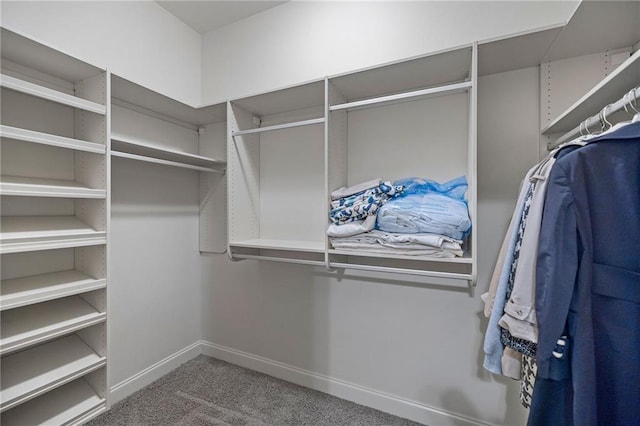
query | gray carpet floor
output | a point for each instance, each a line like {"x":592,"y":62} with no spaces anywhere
{"x":206,"y":391}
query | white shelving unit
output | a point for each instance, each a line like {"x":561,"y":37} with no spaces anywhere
{"x":147,"y":152}
{"x":276,"y":175}
{"x":287,"y":150}
{"x":53,"y":233}
{"x":150,"y":127}
{"x":412,"y":118}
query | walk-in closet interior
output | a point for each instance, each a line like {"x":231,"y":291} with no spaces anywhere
{"x":178,"y":179}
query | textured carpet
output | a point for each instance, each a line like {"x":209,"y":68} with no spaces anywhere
{"x":206,"y":391}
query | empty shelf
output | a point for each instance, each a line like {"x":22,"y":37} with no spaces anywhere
{"x":163,"y":162}
{"x":40,"y":288}
{"x":140,"y":148}
{"x":50,"y":94}
{"x":34,"y":324}
{"x":38,"y":187}
{"x":306,"y":246}
{"x":407,"y":271}
{"x":29,"y":233}
{"x":52,"y":140}
{"x":624,"y":78}
{"x":30,"y":373}
{"x":69,"y":404}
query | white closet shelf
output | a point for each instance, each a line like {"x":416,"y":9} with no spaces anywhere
{"x":73,"y":403}
{"x":133,"y":149}
{"x":24,"y":291}
{"x":30,"y":233}
{"x":448,"y":89}
{"x":163,"y":162}
{"x":124,"y":144}
{"x":35,"y":324}
{"x":291,"y":245}
{"x":30,"y":373}
{"x":279,"y":126}
{"x":625,"y":77}
{"x":45,"y":59}
{"x":25,"y":135}
{"x":36,"y":90}
{"x":38,"y":187}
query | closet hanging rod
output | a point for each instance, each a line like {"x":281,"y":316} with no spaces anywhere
{"x":456,"y":87}
{"x":278,"y":259}
{"x":596,"y":119}
{"x":419,"y":272}
{"x":278,"y":127}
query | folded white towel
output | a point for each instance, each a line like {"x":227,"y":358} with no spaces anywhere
{"x":376,"y":248}
{"x":347,"y":191}
{"x":352,"y":228}
{"x":388,"y":238}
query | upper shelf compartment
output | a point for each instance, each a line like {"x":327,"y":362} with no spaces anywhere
{"x":59,"y":78}
{"x":625,"y":77}
{"x":434,"y":75}
{"x":151,"y":127}
{"x":298,"y":106}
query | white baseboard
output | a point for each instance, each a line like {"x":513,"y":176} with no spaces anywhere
{"x":352,"y":392}
{"x":153,"y":373}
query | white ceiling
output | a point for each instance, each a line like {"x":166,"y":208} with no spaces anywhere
{"x":208,"y":15}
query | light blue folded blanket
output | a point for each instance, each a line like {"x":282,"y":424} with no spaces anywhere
{"x":427,"y":211}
